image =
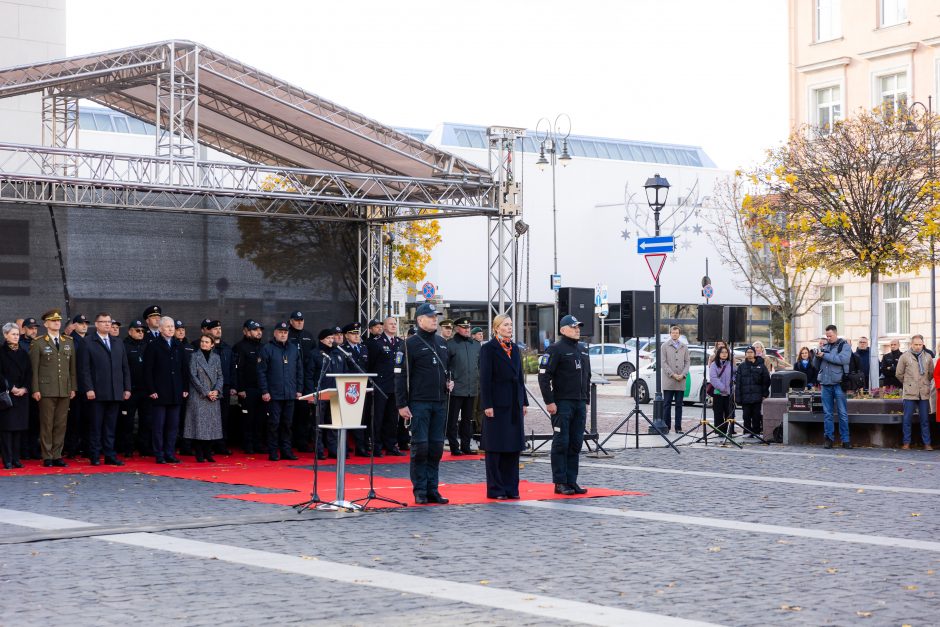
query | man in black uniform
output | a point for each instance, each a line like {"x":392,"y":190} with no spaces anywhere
{"x":303,"y":425}
{"x":318,"y":366}
{"x":254,"y":418}
{"x":136,"y":405}
{"x":421,"y":388}
{"x":565,"y":379}
{"x":151,"y":317}
{"x":338,"y":366}
{"x":375,"y":329}
{"x":29,"y":445}
{"x":76,"y":432}
{"x":382,"y":351}
{"x":358,"y":354}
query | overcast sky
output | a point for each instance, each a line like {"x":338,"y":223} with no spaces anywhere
{"x":704,"y":72}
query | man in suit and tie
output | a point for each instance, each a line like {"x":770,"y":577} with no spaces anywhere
{"x":53,"y":360}
{"x":106,"y":379}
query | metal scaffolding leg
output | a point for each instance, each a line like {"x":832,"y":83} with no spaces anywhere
{"x":177,"y":116}
{"x":370,"y":270}
{"x":60,"y":130}
{"x":501,"y":260}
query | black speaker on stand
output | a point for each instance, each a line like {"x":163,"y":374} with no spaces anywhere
{"x":579,"y":302}
{"x":734,"y":324}
{"x":709,"y":323}
{"x":636,"y":314}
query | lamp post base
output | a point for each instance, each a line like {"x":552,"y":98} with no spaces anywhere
{"x":658,"y":425}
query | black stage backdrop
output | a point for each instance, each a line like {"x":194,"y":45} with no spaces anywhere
{"x":194,"y":267}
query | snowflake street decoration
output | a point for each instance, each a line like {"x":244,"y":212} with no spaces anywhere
{"x":674,"y":219}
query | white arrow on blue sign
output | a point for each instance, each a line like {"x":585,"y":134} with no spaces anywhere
{"x":663,"y":244}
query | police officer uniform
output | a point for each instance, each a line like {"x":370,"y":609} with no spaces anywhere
{"x":153,"y":311}
{"x":30,"y":443}
{"x":382,"y":354}
{"x":303,"y":421}
{"x":136,"y":407}
{"x":337,"y":365}
{"x":281,"y":379}
{"x":374,"y":328}
{"x":246,"y":357}
{"x":318,"y":366}
{"x":53,"y":361}
{"x":565,"y":379}
{"x":359,"y":355}
{"x":421,"y":386}
{"x":76,"y":431}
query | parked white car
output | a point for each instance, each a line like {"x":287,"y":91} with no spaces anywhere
{"x":616,"y":359}
{"x":645,"y":385}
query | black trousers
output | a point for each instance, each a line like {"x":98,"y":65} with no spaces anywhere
{"x":363,"y":437}
{"x":76,"y":429}
{"x":721,"y":406}
{"x":280,"y":417}
{"x":254,"y":421}
{"x":229,"y":426}
{"x":502,"y":474}
{"x":753,"y":419}
{"x":386,"y":422}
{"x":460,"y":423}
{"x":10,"y":446}
{"x":29,"y":442}
{"x":303,"y":424}
{"x":165,"y":423}
{"x":102,"y":425}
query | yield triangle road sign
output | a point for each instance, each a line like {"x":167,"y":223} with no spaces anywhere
{"x":656,"y":260}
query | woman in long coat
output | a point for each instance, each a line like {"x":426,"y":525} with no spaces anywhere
{"x":504,"y":401}
{"x":204,"y":410}
{"x":16,"y":374}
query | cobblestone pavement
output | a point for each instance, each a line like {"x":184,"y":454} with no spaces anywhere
{"x":689,"y":559}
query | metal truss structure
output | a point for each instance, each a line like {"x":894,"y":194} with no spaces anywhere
{"x":507,"y":198}
{"x":298,"y":156}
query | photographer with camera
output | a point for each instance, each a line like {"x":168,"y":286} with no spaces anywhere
{"x":832,"y":360}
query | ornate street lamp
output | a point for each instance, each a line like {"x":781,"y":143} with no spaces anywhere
{"x":911,"y":127}
{"x":657,"y":190}
{"x":549,"y":136}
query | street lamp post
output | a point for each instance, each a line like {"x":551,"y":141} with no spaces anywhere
{"x":390,"y":241}
{"x":549,"y":136}
{"x":657,"y":189}
{"x":931,"y":141}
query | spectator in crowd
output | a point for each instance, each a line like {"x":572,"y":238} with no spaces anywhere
{"x":804,"y":364}
{"x":115,"y":330}
{"x":15,"y":378}
{"x":751,"y":388}
{"x":383,"y":349}
{"x":721,"y":374}
{"x":167,"y":378}
{"x":254,"y":420}
{"x":29,"y":331}
{"x":281,"y":381}
{"x":55,"y":382}
{"x":106,"y":379}
{"x":675,"y":360}
{"x":832,"y":361}
{"x":137,"y":407}
{"x":29,"y":444}
{"x":718,"y":345}
{"x":889,"y":365}
{"x":862,"y":357}
{"x":504,"y":399}
{"x":761,"y":355}
{"x":151,"y":318}
{"x":916,"y":373}
{"x":477,"y":334}
{"x":76,"y":431}
{"x":447,"y":329}
{"x":204,"y":412}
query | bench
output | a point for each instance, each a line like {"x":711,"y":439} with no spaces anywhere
{"x":798,"y":428}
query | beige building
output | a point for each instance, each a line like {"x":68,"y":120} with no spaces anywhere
{"x":847,"y":55}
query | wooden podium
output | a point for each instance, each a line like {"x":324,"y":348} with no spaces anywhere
{"x":347,"y":401}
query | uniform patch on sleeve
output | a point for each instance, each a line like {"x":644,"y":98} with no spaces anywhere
{"x":544,"y":359}
{"x":399,"y":358}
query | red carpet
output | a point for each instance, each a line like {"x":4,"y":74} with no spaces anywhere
{"x":257,"y":471}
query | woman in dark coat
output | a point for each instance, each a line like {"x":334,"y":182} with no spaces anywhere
{"x":504,"y":401}
{"x":204,"y":411}
{"x":752,"y":386}
{"x":16,"y":375}
{"x":805,"y":365}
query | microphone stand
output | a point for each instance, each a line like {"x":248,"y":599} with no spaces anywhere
{"x":314,"y":496}
{"x":372,"y":495}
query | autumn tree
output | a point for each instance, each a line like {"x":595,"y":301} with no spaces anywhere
{"x":864,"y":191}
{"x":754,"y":235}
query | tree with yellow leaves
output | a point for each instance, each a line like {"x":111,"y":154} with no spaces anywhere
{"x":863,"y":190}
{"x":754,"y":236}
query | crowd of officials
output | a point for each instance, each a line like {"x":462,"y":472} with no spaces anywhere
{"x":84,"y":391}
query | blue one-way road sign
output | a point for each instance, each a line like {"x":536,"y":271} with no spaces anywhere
{"x":663,"y":244}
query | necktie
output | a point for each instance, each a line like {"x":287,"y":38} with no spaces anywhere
{"x":107,"y":344}
{"x":56,"y":340}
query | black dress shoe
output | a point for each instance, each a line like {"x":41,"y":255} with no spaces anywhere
{"x":396,"y":453}
{"x":172,"y":459}
{"x":404,"y":447}
{"x":828,"y":443}
{"x":273,"y":457}
{"x":59,"y":463}
{"x":847,"y":445}
{"x":321,"y":456}
{"x":17,"y":465}
{"x":361,"y":452}
{"x":563,"y":488}
{"x":466,"y":451}
{"x":456,"y":452}
{"x":577,"y":489}
{"x":513,"y":497}
{"x":95,"y":461}
{"x":288,"y":455}
{"x":200,"y":459}
{"x":47,"y":463}
{"x":210,"y":458}
{"x":420,"y":499}
{"x":160,"y":460}
{"x":7,"y":466}
{"x":378,"y":453}
{"x":501,"y":497}
{"x":248,"y":450}
{"x":113,"y":461}
{"x":437,"y":498}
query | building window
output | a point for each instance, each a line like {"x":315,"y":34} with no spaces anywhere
{"x":828,"y":19}
{"x":897,"y":297}
{"x":827,"y":103}
{"x":893,"y":12}
{"x":892,"y":89}
{"x":832,"y":306}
